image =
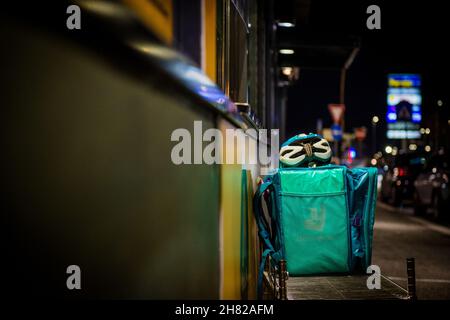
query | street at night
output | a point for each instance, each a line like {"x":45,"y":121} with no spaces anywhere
{"x":233,"y":153}
{"x":399,"y":235}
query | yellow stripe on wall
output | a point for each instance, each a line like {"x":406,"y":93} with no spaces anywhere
{"x":231,"y":230}
{"x":157,"y":15}
{"x":231,"y":223}
{"x":230,"y":218}
{"x":209,"y":38}
{"x":252,"y":276}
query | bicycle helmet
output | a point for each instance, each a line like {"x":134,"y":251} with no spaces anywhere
{"x":305,"y":150}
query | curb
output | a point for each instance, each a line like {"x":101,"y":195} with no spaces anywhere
{"x":428,"y":224}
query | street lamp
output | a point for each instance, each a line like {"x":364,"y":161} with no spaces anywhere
{"x":437,"y":128}
{"x":286,"y":51}
{"x":286,"y":24}
{"x":287,"y":71}
{"x":375,"y":120}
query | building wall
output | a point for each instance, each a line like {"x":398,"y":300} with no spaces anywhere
{"x":90,"y":180}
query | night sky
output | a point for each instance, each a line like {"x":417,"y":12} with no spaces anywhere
{"x":413,"y":38}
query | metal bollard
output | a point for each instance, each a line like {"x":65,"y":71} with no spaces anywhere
{"x":283,"y":279}
{"x":411,"y":272}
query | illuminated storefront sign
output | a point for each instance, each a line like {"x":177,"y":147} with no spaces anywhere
{"x":404,"y":102}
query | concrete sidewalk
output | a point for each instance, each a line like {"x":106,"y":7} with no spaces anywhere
{"x":341,"y":288}
{"x":398,"y":235}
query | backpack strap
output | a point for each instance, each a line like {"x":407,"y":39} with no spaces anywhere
{"x":263,"y":231}
{"x":259,"y":214}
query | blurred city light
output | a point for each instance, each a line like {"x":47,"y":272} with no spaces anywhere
{"x":286,"y":24}
{"x":375,"y":119}
{"x":388,"y":149}
{"x":286,"y":51}
{"x":392,"y":116}
{"x":378,"y":155}
{"x":287,"y":70}
{"x":422,"y":130}
{"x":427,"y":131}
{"x":105,"y":8}
{"x":427,"y":148}
{"x":440,"y":103}
{"x":413,"y":147}
{"x":394,"y":151}
{"x":352,"y":153}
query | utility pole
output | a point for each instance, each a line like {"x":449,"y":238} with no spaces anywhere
{"x":375,"y":121}
{"x":342,"y":89}
{"x":338,"y":144}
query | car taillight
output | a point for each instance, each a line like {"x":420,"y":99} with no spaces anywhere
{"x":400,"y":172}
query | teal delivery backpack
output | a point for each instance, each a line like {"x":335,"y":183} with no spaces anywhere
{"x":319,"y":219}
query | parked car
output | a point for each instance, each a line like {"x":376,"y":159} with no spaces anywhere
{"x":431,"y":194}
{"x":397,"y":186}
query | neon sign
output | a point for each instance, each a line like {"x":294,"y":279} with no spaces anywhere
{"x":404,"y":104}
